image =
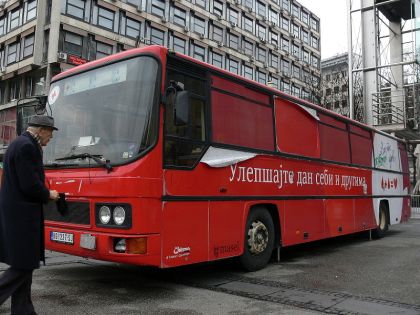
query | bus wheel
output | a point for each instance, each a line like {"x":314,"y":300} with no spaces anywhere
{"x":259,"y":239}
{"x":382,"y":228}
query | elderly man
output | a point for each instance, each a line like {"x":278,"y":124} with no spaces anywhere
{"x":23,"y":191}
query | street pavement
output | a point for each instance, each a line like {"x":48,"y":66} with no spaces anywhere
{"x":346,"y":275}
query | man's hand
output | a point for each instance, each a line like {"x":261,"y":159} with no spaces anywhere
{"x":54,"y":195}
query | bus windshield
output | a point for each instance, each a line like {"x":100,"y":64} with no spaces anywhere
{"x":105,"y":114}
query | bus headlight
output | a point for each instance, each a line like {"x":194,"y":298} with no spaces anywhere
{"x":119,"y":215}
{"x":113,"y":215}
{"x":104,"y":214}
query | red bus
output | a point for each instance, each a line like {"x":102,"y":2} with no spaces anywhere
{"x":168,"y":161}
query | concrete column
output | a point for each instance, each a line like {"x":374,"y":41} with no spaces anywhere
{"x":369,"y":52}
{"x":395,"y":45}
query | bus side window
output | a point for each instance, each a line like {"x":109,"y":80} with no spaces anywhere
{"x":185,"y":143}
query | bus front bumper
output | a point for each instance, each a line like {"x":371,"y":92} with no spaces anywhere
{"x":130,"y":249}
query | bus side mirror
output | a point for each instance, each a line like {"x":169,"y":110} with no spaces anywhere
{"x":27,"y":107}
{"x":182,"y":108}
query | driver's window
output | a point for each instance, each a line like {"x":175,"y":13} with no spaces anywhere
{"x":184,"y":144}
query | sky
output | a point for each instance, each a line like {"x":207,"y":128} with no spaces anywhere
{"x":333,"y":15}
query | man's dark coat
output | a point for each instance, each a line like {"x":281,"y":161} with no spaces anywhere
{"x":22,"y":194}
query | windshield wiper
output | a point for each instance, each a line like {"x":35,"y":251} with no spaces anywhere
{"x":96,"y":157}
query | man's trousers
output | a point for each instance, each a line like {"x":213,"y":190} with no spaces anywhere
{"x":16,"y":283}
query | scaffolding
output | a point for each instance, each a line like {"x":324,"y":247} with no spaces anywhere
{"x":383,"y":63}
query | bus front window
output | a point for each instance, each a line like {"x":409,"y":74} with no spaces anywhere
{"x":107,"y":112}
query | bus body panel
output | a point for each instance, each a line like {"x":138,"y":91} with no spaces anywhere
{"x":314,"y":186}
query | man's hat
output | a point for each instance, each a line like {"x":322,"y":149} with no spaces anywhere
{"x":42,"y":121}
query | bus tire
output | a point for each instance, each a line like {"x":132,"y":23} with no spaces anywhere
{"x":382,"y":228}
{"x":258,"y":240}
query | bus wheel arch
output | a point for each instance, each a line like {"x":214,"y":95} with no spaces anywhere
{"x":384,"y":220}
{"x":260,"y":236}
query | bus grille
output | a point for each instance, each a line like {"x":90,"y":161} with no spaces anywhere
{"x":78,"y":213}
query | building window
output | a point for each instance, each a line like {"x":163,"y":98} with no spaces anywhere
{"x":199,"y":25}
{"x":216,"y":59}
{"x":233,"y":41}
{"x":285,"y":87}
{"x":134,"y":2}
{"x":274,"y":17}
{"x":217,"y":33}
{"x":12,"y":53}
{"x":296,"y":10}
{"x":328,"y":92}
{"x":14,"y":19}
{"x":285,"y":23}
{"x":248,"y":72}
{"x":261,"y":54}
{"x":285,"y":44}
{"x":7,"y":123}
{"x":315,"y":61}
{"x":201,"y":3}
{"x":261,"y":31}
{"x":344,"y":88}
{"x":305,"y":56}
{"x":295,"y":30}
{"x":296,"y":71}
{"x":199,"y":52}
{"x":285,"y":66}
{"x":337,"y":104}
{"x":306,"y":76}
{"x":314,"y":24}
{"x":274,"y":81}
{"x":305,"y":37}
{"x":305,"y":17}
{"x":274,"y":38}
{"x":179,"y":16}
{"x":76,"y":8}
{"x":261,"y":77}
{"x":178,"y":45}
{"x":249,"y":3}
{"x":2,"y":23}
{"x":158,"y":8}
{"x":157,"y":36}
{"x":103,"y":50}
{"x":261,"y":9}
{"x":106,"y":18}
{"x":285,"y":4}
{"x":30,"y":10}
{"x":314,"y":43}
{"x":233,"y":66}
{"x":344,"y":103}
{"x":295,"y":91}
{"x":248,"y":47}
{"x":233,"y":16}
{"x":73,"y":44}
{"x":218,"y":8}
{"x":132,"y":28}
{"x":274,"y":60}
{"x":248,"y":24}
{"x":28,"y":46}
{"x":296,"y":50}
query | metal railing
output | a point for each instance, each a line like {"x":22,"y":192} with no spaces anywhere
{"x":388,"y":107}
{"x":415,"y":206}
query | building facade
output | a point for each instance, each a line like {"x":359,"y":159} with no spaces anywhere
{"x":334,"y":84}
{"x":274,"y":42}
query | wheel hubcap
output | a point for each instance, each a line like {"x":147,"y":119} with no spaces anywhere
{"x":257,"y":238}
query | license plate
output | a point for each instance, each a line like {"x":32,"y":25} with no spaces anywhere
{"x":60,"y":237}
{"x":88,"y":241}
